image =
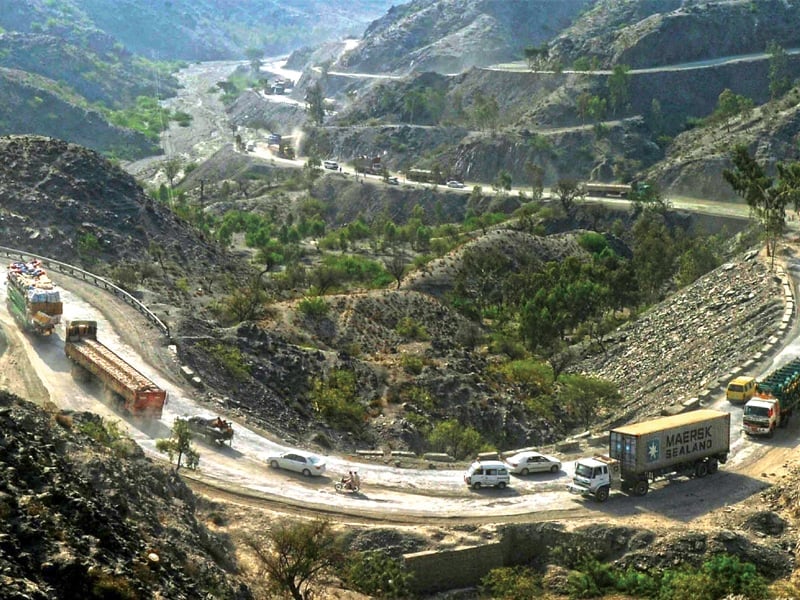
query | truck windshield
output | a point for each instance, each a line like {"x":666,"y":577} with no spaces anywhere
{"x":583,"y":470}
{"x":756,"y":411}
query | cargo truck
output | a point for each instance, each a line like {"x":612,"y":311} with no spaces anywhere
{"x":133,"y":393}
{"x":213,"y":431}
{"x":32,"y":298}
{"x":692,"y":444}
{"x":775,"y":399}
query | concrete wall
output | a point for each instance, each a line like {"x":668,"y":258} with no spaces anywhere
{"x":453,"y":569}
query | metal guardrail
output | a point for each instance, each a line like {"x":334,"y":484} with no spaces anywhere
{"x":91,"y":278}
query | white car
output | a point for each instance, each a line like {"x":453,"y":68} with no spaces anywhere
{"x":455,"y":184}
{"x":299,"y":462}
{"x":532,"y":462}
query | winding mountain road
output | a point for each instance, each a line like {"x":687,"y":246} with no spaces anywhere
{"x":390,"y":493}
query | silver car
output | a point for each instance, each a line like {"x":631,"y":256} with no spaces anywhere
{"x":532,"y":462}
{"x":455,"y":184}
{"x":299,"y":462}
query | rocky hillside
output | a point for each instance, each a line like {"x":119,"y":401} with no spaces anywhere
{"x":453,"y":35}
{"x":687,"y":344}
{"x":648,"y":33}
{"x":108,"y":75}
{"x":695,"y":160}
{"x":191,"y":29}
{"x":63,"y":201}
{"x":86,"y":515}
{"x":30,"y":104}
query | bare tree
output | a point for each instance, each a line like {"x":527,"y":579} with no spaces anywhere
{"x":396,"y":265}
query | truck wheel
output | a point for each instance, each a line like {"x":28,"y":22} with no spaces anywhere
{"x":701,"y":469}
{"x":501,"y":485}
{"x":713,"y":465}
{"x":601,"y":495}
{"x":640,"y":487}
{"x":476,"y":486}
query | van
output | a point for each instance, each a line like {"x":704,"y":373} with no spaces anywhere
{"x":741,"y":389}
{"x":331,"y":164}
{"x":487,"y":473}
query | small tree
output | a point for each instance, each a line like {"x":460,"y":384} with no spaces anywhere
{"x":297,"y":557}
{"x":619,"y":87}
{"x":315,"y":103}
{"x":766,"y":198}
{"x":396,"y":265}
{"x":180,"y":445}
{"x":568,"y":191}
{"x":255,"y":56}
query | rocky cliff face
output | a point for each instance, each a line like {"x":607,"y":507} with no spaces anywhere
{"x":86,"y":515}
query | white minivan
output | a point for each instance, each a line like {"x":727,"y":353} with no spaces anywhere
{"x":487,"y":473}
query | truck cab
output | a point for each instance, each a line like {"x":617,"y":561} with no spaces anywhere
{"x":762,"y":414}
{"x":594,"y":477}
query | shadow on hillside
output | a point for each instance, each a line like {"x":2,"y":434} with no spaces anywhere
{"x":682,"y":499}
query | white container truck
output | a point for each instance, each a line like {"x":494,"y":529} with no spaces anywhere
{"x":692,"y":443}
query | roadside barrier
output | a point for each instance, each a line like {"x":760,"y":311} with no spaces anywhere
{"x":95,"y":280}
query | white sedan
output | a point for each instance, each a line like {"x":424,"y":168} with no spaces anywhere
{"x":532,"y":462}
{"x":455,"y":184}
{"x":299,"y":462}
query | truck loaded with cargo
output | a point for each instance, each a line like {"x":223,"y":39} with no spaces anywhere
{"x":692,"y":443}
{"x":33,"y":299}
{"x":134,"y":393}
{"x":774,"y":400}
{"x":212,"y":430}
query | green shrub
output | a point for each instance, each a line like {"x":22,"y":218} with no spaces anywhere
{"x":313,"y":307}
{"x":336,"y":401}
{"x":535,"y":376}
{"x":593,"y":242}
{"x":412,"y":329}
{"x":512,"y":583}
{"x":377,"y":574}
{"x":104,"y":432}
{"x":502,"y":344}
{"x":455,"y":439}
{"x":230,"y":357}
{"x":412,"y":364}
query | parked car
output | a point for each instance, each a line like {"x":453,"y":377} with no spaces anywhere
{"x":393,"y":181}
{"x":455,"y":184}
{"x":487,"y":473}
{"x":532,"y":462}
{"x":299,"y":462}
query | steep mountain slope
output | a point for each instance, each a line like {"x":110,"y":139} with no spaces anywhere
{"x":62,"y":200}
{"x":662,"y":32}
{"x":452,"y":35}
{"x":695,"y":160}
{"x":30,"y":104}
{"x":194,"y":29}
{"x":109,"y":75}
{"x":88,"y":516}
